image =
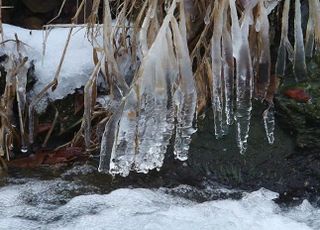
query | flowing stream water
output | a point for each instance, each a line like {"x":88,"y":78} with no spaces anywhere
{"x":31,"y":201}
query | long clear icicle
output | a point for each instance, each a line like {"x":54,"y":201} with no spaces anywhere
{"x":108,"y":139}
{"x":263,"y":78}
{"x":217,"y":78}
{"x":228,"y":68}
{"x":313,"y":29}
{"x":21,"y":84}
{"x":285,"y":47}
{"x":299,"y":62}
{"x":123,"y":152}
{"x":316,"y":15}
{"x":310,"y":31}
{"x":244,"y":78}
{"x":262,"y":27}
{"x":185,"y":95}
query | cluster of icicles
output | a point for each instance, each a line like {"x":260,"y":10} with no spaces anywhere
{"x":161,"y":102}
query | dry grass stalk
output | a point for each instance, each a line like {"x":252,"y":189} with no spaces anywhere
{"x":1,"y":28}
{"x":54,"y":122}
{"x":59,"y":13}
{"x":90,"y":94}
{"x":54,"y":83}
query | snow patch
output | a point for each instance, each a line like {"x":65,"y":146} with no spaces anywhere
{"x":76,"y":68}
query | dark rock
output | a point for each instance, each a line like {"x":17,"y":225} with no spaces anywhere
{"x":33,"y":23}
{"x":41,"y":6}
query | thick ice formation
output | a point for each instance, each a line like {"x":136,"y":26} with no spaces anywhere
{"x":244,"y":76}
{"x":148,"y":73}
{"x":163,"y":91}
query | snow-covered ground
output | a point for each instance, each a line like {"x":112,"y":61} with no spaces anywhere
{"x":59,"y":204}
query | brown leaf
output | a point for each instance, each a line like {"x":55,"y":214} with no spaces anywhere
{"x":48,"y":157}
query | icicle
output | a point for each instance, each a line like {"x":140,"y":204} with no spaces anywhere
{"x":268,"y":115}
{"x":141,"y":130}
{"x":244,"y":77}
{"x":108,"y":140}
{"x":313,"y":29}
{"x":269,"y":122}
{"x":263,"y":79}
{"x":310,"y":32}
{"x":154,"y":129}
{"x":285,"y":46}
{"x":149,"y":28}
{"x":217,"y":78}
{"x":299,"y":62}
{"x":185,"y":96}
{"x":228,"y":69}
{"x":124,"y":149}
{"x":316,"y":15}
{"x":21,"y":83}
{"x":155,"y":123}
{"x":164,"y":89}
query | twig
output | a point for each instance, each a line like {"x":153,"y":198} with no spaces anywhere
{"x":3,"y":165}
{"x":62,"y":146}
{"x":1,"y":28}
{"x":59,"y":13}
{"x":70,"y":127}
{"x":44,"y":144}
{"x":13,"y":40}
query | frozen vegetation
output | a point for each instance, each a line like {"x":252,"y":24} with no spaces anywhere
{"x":149,"y":71}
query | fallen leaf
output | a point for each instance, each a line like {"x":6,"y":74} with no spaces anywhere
{"x":297,"y":94}
{"x":47,"y":157}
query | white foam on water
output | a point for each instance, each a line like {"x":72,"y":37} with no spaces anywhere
{"x":49,"y":205}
